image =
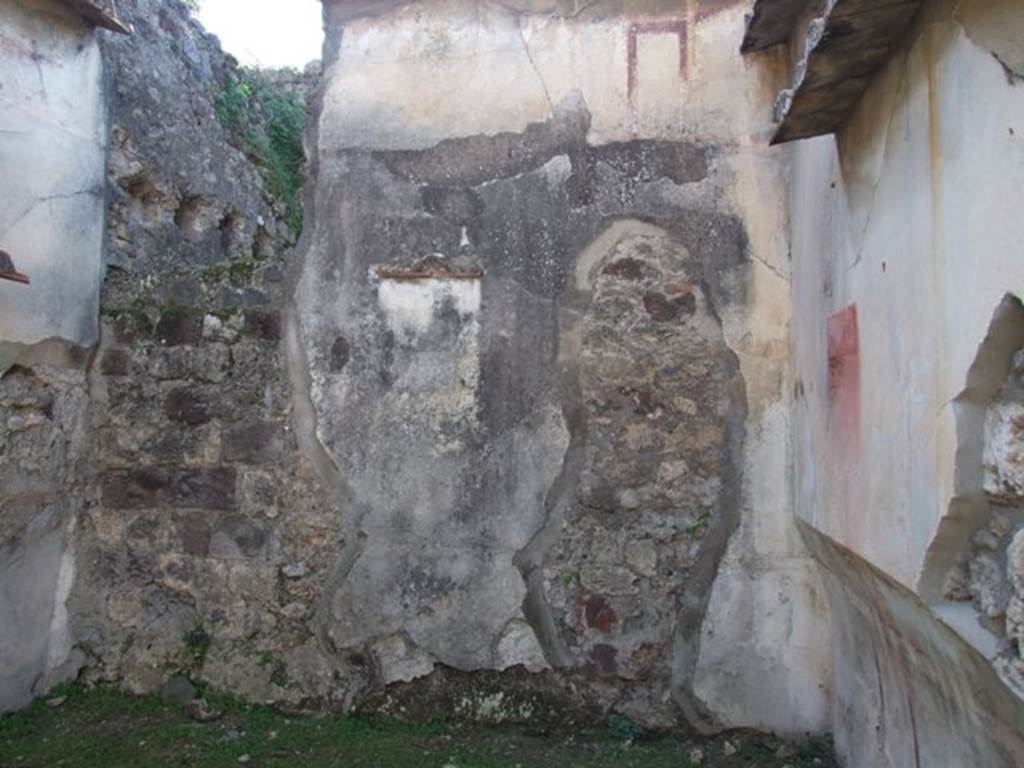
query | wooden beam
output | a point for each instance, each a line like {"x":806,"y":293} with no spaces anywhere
{"x":845,"y":48}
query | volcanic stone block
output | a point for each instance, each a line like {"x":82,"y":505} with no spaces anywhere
{"x":262,"y":324}
{"x":204,"y":489}
{"x":135,"y":488}
{"x":185,"y":406}
{"x":259,"y":442}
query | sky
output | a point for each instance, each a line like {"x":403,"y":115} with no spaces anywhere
{"x":266,"y":33}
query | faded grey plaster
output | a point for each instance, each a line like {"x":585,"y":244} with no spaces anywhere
{"x":42,"y":430}
{"x":456,"y":421}
{"x":52,"y":149}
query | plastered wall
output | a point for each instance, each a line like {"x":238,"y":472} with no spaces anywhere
{"x":906,"y":241}
{"x":52,"y":147}
{"x":52,"y":152}
{"x":518,"y":146}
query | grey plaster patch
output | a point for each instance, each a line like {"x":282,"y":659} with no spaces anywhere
{"x":476,"y":421}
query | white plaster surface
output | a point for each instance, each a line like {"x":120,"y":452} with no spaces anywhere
{"x":910,"y":214}
{"x":409,"y":306}
{"x":423,"y":73}
{"x":52,"y":152}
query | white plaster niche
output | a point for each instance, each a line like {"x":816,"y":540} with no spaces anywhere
{"x":412,"y":299}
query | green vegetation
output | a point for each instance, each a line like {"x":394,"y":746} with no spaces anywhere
{"x":241,"y":271}
{"x":197,"y":642}
{"x":80,"y":728}
{"x":267,"y":123}
{"x":266,"y":659}
{"x":137,"y":311}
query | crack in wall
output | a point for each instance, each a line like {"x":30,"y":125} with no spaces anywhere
{"x":97,"y":192}
{"x":997,"y":27}
{"x":896,"y":101}
{"x":533,"y":63}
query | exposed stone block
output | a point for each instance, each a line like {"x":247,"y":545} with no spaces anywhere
{"x":187,"y":407}
{"x":259,"y":442}
{"x":598,"y":613}
{"x":1015,"y":563}
{"x":176,"y":328}
{"x":605,"y":659}
{"x":115,"y":362}
{"x":259,"y":493}
{"x":236,"y":536}
{"x":195,"y":534}
{"x":133,"y":327}
{"x":263,"y":324}
{"x":204,"y":489}
{"x":397,"y":660}
{"x":609,"y":579}
{"x":211,"y":362}
{"x":626,"y":269}
{"x":518,"y":646}
{"x":185,"y":292}
{"x":1004,"y":452}
{"x":340,"y":354}
{"x":135,"y":488}
{"x":664,"y":310}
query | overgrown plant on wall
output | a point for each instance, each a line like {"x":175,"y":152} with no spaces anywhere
{"x":267,"y":122}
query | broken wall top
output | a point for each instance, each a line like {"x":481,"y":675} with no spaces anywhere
{"x":99,"y":13}
{"x":839,"y":46}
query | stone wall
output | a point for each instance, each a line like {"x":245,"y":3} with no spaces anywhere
{"x":907,"y":269}
{"x":200,"y":552}
{"x":516,"y":430}
{"x":505,"y":437}
{"x":524,"y":382}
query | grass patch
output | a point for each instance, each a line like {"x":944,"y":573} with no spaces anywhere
{"x":105,"y":728}
{"x":267,"y":123}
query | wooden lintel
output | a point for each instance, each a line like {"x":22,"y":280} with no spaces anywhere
{"x":432,"y":274}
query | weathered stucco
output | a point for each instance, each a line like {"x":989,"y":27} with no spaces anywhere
{"x":906,"y":244}
{"x":540,"y":316}
{"x":52,"y":151}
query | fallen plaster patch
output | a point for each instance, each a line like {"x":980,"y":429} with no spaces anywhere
{"x":410,"y":307}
